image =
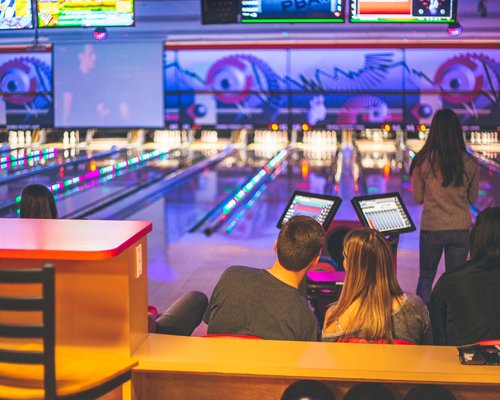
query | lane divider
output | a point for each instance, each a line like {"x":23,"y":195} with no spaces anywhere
{"x":247,"y":191}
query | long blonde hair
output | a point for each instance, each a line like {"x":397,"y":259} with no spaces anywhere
{"x":371,"y":282}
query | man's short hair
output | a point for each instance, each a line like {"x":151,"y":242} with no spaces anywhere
{"x":299,"y":242}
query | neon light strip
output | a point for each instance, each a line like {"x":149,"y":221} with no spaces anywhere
{"x":87,"y":185}
{"x":16,"y":161}
{"x":57,"y":187}
{"x":247,"y":207}
{"x":243,"y":192}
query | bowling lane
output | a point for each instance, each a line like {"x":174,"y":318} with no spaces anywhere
{"x":93,"y":180}
{"x":180,"y":261}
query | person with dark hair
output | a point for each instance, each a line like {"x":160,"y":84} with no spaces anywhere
{"x":267,"y":303}
{"x":307,"y":390}
{"x":372,"y":307}
{"x":465,"y":304}
{"x":335,"y":245}
{"x":37,"y":201}
{"x":445,"y":181}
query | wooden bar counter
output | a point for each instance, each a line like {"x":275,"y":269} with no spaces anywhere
{"x":101,"y":277}
{"x":176,"y":367}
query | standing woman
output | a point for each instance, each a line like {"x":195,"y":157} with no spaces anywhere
{"x":37,"y":201}
{"x":445,"y":181}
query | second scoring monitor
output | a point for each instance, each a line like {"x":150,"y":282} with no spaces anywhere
{"x":385,"y":213}
{"x":269,"y":11}
{"x":427,"y":11}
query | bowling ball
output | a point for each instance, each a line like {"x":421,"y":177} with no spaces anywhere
{"x":429,"y":392}
{"x":200,"y":110}
{"x":425,"y":110}
{"x":307,"y":390}
{"x":369,"y":391}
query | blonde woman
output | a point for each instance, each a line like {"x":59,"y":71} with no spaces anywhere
{"x":372,"y":306}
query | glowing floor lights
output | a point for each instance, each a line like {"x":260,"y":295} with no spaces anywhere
{"x":247,"y":192}
{"x":254,"y":182}
{"x":23,"y":158}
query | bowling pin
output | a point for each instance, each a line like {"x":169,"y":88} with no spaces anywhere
{"x":65,"y":140}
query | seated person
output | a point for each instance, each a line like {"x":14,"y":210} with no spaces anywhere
{"x":465,"y":303}
{"x":267,"y":303}
{"x":335,"y":247}
{"x":37,"y":201}
{"x":181,"y":318}
{"x":372,"y":306}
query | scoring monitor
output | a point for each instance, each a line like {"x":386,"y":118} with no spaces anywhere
{"x":81,"y":13}
{"x":415,"y":11}
{"x":16,"y":14}
{"x":385,"y":213}
{"x":320,"y":207}
{"x":276,"y":11}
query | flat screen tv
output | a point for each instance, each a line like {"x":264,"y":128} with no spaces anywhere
{"x":16,"y":14}
{"x":413,"y":11}
{"x":82,"y":13}
{"x":289,"y":11}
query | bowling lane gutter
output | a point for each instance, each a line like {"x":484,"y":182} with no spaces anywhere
{"x":148,"y":192}
{"x":41,"y":170}
{"x":489,"y":165}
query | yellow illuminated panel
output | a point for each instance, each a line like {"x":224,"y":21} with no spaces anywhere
{"x":74,"y":13}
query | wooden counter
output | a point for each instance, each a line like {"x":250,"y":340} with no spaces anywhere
{"x":101,"y":277}
{"x":213,"y":368}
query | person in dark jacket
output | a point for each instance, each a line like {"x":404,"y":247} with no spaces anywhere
{"x":465,"y":304}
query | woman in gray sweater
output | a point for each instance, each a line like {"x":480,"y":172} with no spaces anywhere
{"x":445,"y":181}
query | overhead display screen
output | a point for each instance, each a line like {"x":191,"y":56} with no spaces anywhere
{"x":15,"y":14}
{"x":26,"y":92}
{"x":272,"y":11}
{"x":98,"y":85}
{"x":425,"y":11}
{"x":80,"y":13}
